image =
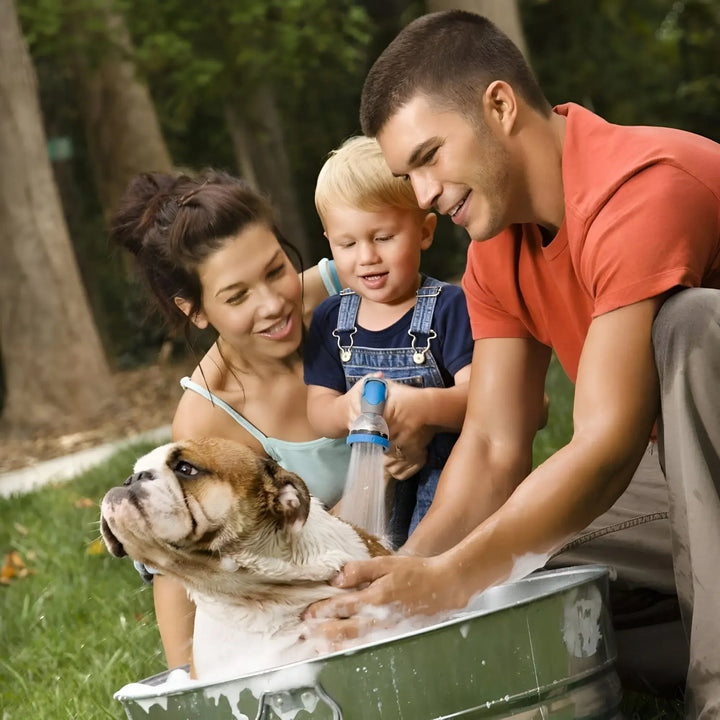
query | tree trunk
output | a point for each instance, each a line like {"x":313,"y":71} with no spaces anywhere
{"x":259,"y":143}
{"x":54,"y":366}
{"x":121,"y":126}
{"x":504,"y":13}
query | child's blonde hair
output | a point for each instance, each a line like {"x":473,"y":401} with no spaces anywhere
{"x":357,"y":175}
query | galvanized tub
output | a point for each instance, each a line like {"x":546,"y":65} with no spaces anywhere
{"x":539,"y":648}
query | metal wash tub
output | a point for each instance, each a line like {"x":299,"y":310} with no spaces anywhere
{"x":539,"y":648}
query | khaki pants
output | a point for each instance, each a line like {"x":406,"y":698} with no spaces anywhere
{"x":662,"y":536}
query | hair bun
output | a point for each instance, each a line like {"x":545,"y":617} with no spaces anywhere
{"x":138,"y":209}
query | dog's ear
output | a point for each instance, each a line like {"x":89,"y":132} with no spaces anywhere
{"x":287,"y":495}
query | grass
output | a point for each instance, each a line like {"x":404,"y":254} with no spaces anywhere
{"x":82,"y":624}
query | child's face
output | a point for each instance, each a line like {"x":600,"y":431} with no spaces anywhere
{"x":378,"y":253}
{"x":252,"y":295}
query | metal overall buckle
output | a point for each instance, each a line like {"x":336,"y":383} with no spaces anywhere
{"x":419,"y":354}
{"x":345,"y":350}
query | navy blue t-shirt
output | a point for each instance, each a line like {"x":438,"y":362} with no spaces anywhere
{"x":452,"y":349}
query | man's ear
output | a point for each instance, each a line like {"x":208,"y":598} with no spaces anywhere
{"x":198,"y":319}
{"x":427,"y":230}
{"x":501,"y":106}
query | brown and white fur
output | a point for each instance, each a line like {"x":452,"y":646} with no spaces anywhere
{"x":250,"y":544}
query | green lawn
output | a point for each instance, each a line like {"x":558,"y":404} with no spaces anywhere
{"x":82,"y":625}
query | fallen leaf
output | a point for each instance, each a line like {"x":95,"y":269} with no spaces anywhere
{"x":14,"y":558}
{"x":7,"y":572}
{"x":20,"y":528}
{"x":84,"y":503}
{"x":14,"y":567}
{"x":96,"y":547}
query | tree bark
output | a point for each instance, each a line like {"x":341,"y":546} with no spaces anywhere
{"x":259,"y":144}
{"x":54,"y":366}
{"x":504,"y":13}
{"x":121,"y":125}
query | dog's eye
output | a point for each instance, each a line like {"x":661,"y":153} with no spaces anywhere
{"x":185,"y":469}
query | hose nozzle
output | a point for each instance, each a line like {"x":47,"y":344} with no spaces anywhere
{"x":370,"y":426}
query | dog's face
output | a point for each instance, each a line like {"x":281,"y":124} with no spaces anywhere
{"x":192,"y":508}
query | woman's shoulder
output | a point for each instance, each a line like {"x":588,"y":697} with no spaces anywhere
{"x":196,"y":416}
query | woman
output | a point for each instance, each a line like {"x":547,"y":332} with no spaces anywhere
{"x":211,"y":255}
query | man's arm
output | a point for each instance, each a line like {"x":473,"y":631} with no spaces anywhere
{"x":494,"y":450}
{"x":616,"y":404}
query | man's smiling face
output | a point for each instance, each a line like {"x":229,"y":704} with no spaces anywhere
{"x":460,"y":168}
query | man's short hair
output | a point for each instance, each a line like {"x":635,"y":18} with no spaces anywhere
{"x":357,"y":175}
{"x":450,"y":57}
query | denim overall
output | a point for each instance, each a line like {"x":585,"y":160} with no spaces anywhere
{"x":413,"y":365}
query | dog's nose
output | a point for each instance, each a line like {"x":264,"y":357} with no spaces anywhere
{"x":138,"y":477}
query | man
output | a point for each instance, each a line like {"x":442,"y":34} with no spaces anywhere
{"x":597,"y":241}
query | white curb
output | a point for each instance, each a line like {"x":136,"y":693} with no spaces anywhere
{"x":64,"y":468}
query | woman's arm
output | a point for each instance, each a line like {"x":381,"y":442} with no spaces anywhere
{"x":316,"y":287}
{"x":175,"y":614}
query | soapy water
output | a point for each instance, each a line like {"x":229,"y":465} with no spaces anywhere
{"x":375,"y":624}
{"x":363,"y":501}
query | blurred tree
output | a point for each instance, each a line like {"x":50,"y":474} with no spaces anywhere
{"x":121,"y":126}
{"x":53,"y":363}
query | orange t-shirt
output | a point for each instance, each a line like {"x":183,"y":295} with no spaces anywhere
{"x":642,"y":215}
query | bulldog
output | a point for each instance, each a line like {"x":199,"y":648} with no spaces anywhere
{"x":244,"y":536}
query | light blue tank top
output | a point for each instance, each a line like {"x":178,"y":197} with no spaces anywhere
{"x":321,"y":463}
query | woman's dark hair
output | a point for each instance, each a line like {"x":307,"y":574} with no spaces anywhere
{"x":171,"y":224}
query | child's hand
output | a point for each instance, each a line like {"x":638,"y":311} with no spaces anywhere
{"x":400,"y":466}
{"x":352,"y":399}
{"x":406,"y":419}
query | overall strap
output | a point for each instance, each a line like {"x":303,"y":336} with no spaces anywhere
{"x":188,"y":384}
{"x":421,"y":323}
{"x":346,"y":322}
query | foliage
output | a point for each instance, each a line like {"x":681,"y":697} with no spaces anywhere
{"x":632,"y":61}
{"x":207,"y":53}
{"x":559,"y":428}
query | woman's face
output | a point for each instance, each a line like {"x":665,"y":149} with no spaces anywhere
{"x":252,"y":295}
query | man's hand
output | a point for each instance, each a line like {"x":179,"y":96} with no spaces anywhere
{"x":408,"y":585}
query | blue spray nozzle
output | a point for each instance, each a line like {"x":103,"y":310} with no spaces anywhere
{"x":375,"y":437}
{"x":370,"y":426}
{"x":373,"y":395}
